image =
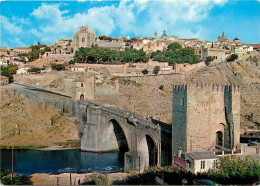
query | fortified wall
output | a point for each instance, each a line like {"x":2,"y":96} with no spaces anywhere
{"x":141,"y":95}
{"x":205,"y":116}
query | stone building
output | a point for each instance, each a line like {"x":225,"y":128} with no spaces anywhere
{"x":217,"y":53}
{"x":205,"y":116}
{"x":21,"y":50}
{"x":223,"y":39}
{"x":153,"y":47}
{"x":85,"y":37}
{"x":114,"y":45}
{"x":81,"y":89}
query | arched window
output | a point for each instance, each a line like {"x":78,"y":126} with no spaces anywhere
{"x":83,"y":40}
{"x":81,"y":84}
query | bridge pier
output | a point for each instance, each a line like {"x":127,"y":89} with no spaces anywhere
{"x":106,"y":129}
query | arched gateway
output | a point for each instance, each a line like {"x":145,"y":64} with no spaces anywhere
{"x":108,"y":128}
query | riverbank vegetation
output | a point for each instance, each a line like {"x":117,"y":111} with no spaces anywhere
{"x":230,"y":170}
{"x":6,"y":179}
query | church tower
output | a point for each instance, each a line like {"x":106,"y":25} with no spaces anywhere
{"x":155,"y":35}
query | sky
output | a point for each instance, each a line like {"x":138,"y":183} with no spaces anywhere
{"x":24,"y":23}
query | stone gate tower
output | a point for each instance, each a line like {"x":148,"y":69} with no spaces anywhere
{"x":205,"y":116}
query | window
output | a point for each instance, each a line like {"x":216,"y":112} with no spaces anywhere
{"x":81,"y":84}
{"x":83,"y":40}
{"x":149,"y":46}
{"x":157,"y":43}
{"x":199,"y":52}
{"x":182,"y":101}
{"x":202,"y":165}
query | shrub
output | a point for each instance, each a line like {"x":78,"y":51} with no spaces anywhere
{"x":34,"y":70}
{"x":58,"y":67}
{"x":208,"y":60}
{"x":71,"y":62}
{"x":6,"y":179}
{"x":96,"y":179}
{"x":145,"y":71}
{"x":156,"y":69}
{"x":233,"y":57}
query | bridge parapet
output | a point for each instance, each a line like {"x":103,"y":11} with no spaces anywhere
{"x":104,"y":128}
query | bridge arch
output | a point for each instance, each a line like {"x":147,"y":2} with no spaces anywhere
{"x":117,"y":130}
{"x":147,"y":149}
{"x":120,"y":135}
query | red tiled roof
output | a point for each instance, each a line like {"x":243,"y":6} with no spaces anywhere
{"x":77,"y":66}
{"x":257,"y":46}
{"x":3,"y":77}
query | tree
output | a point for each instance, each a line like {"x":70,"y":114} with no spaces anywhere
{"x":233,"y":57}
{"x":4,"y":71}
{"x":58,"y":67}
{"x":161,"y":87}
{"x":156,"y":69}
{"x":208,"y":60}
{"x":47,"y":49}
{"x":34,"y":70}
{"x":13,"y":69}
{"x":71,"y":62}
{"x":145,"y":71}
{"x":174,"y":46}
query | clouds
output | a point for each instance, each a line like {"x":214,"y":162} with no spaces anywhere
{"x":10,"y":26}
{"x":136,"y":18}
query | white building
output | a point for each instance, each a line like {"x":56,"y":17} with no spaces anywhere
{"x":200,"y":161}
{"x":77,"y":68}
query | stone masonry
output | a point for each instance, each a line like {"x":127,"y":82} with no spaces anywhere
{"x":205,"y":116}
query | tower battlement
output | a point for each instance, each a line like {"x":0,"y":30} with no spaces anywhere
{"x":213,"y":87}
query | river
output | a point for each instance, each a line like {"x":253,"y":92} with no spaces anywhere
{"x":27,"y":162}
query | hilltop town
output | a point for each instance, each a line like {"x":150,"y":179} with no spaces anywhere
{"x":200,"y":96}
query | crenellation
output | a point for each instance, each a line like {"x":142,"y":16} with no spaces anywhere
{"x":192,"y":116}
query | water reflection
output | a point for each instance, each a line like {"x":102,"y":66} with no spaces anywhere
{"x":60,"y":161}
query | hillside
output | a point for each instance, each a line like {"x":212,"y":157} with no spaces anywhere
{"x":152,"y":95}
{"x":26,"y":123}
{"x":244,"y":73}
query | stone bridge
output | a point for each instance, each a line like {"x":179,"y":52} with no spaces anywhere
{"x":106,"y":128}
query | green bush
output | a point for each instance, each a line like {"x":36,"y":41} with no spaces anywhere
{"x":145,"y":71}
{"x":34,"y":70}
{"x":6,"y":179}
{"x":230,"y":170}
{"x":233,"y":57}
{"x":58,"y":67}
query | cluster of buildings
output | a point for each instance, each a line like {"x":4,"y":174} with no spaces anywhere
{"x":64,"y":50}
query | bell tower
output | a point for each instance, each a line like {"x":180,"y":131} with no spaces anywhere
{"x":155,"y":35}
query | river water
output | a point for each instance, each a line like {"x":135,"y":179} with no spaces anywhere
{"x":27,"y":162}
